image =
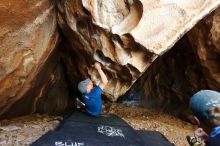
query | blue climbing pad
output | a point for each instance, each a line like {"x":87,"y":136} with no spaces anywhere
{"x":80,"y":129}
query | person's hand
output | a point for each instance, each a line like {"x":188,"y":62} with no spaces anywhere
{"x":97,"y":66}
{"x":201,"y":134}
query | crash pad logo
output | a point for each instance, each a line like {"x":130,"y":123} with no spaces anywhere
{"x":69,"y":143}
{"x":110,"y":131}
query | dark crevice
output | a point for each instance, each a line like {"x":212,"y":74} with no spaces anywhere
{"x":169,"y":81}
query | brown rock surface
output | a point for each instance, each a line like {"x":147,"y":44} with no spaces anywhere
{"x":125,"y":36}
{"x":205,"y":38}
{"x":28,"y":65}
{"x":192,"y":64}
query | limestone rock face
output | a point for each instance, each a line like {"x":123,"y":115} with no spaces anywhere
{"x":28,"y":36}
{"x":126,"y":36}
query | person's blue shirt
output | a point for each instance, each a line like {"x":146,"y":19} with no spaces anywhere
{"x":93,"y":101}
{"x":215,"y":131}
{"x":214,"y":139}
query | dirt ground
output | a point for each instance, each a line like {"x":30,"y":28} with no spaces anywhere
{"x":174,"y":129}
{"x":25,"y":130}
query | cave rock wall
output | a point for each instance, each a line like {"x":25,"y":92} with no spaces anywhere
{"x":125,"y":36}
{"x":191,"y":65}
{"x":28,"y":64}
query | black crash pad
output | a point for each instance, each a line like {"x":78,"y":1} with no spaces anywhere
{"x":104,"y":132}
{"x":66,"y":139}
{"x":102,"y":119}
{"x":80,"y":129}
{"x":153,"y":138}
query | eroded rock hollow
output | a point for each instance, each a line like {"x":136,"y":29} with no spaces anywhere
{"x":125,"y":36}
{"x":48,"y":46}
{"x":192,"y":64}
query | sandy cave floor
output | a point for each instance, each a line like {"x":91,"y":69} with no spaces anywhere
{"x":145,"y":119}
{"x":27,"y":129}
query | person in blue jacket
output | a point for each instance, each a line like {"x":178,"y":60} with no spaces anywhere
{"x":205,"y":105}
{"x":92,"y":95}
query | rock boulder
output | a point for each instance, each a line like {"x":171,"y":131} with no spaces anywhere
{"x":125,"y":36}
{"x":28,"y":62}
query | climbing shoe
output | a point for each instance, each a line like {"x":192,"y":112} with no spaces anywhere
{"x":193,"y":141}
{"x":79,"y":104}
